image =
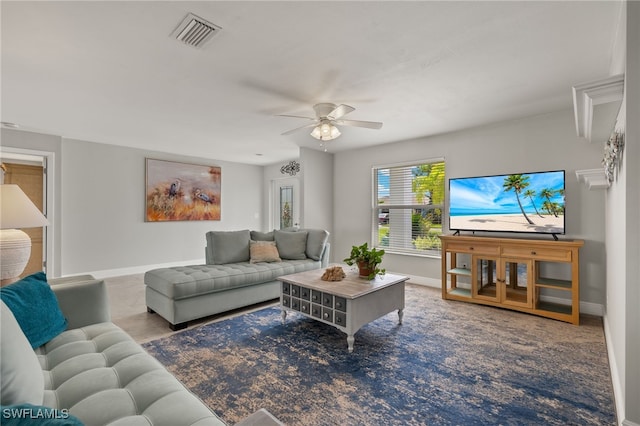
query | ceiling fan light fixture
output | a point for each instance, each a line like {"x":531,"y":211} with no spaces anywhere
{"x":325,"y":132}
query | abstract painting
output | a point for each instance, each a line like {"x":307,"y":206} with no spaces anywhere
{"x":180,"y":191}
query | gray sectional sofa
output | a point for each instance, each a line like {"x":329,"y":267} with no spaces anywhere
{"x":92,"y":373}
{"x":241,"y":269}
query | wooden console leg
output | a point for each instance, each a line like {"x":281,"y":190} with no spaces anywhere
{"x":179,"y":326}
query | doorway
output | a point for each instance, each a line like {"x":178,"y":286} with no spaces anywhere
{"x":29,"y":173}
{"x":286,"y":203}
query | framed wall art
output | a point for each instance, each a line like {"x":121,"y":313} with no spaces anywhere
{"x":180,"y":191}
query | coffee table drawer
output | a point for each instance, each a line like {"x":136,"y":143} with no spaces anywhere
{"x":305,"y":293}
{"x":340,"y":303}
{"x":286,"y":288}
{"x":286,"y":301}
{"x":327,"y":314}
{"x":295,"y":304}
{"x":340,"y":318}
{"x":327,"y":300}
{"x":295,"y":290}
{"x":316,"y":310}
{"x":305,"y":307}
{"x":316,"y":296}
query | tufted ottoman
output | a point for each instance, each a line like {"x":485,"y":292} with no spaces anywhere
{"x":184,"y":293}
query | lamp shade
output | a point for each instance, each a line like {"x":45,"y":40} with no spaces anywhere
{"x":17,"y":210}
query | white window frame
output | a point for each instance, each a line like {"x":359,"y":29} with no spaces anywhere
{"x":402,"y":225}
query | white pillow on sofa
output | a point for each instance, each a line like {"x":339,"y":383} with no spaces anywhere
{"x":20,"y":372}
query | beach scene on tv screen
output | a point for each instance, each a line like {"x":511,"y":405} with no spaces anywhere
{"x":531,"y":202}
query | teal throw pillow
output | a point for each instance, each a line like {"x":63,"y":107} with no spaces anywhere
{"x":27,"y":414}
{"x":35,"y":307}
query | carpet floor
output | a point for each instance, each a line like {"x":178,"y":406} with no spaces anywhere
{"x":449,"y":363}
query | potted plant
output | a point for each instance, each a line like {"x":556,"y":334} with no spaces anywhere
{"x":367,"y":260}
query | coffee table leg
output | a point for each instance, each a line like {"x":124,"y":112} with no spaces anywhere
{"x":283,"y":314}
{"x":350,"y":340}
{"x":400,"y":315}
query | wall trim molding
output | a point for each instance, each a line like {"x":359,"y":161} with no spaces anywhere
{"x":133,"y":270}
{"x":587,"y":95}
{"x":593,"y":178}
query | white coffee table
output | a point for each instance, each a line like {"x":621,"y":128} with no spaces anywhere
{"x":348,"y":304}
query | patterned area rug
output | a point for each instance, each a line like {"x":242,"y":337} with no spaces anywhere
{"x":450,"y":363}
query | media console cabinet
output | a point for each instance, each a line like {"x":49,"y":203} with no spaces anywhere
{"x":534,"y":276}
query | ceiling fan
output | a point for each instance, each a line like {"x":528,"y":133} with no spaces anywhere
{"x":328,"y":116}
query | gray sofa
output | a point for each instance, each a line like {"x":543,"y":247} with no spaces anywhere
{"x":94,"y":371}
{"x":235,"y":275}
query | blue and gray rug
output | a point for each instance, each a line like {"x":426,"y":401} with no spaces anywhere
{"x":450,"y":363}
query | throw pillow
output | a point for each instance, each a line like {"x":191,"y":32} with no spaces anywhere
{"x":264,"y":251}
{"x":229,"y":246}
{"x":25,"y":414}
{"x":261,"y":236}
{"x":291,"y":245}
{"x":35,"y":307}
{"x":316,"y":242}
{"x":20,"y":372}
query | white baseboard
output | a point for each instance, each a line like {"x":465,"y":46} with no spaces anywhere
{"x":588,"y":308}
{"x":615,"y":376}
{"x":425,"y":281}
{"x":106,"y":273}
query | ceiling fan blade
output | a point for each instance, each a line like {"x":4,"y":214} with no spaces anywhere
{"x":356,"y":123}
{"x":340,"y":111}
{"x":306,"y":126}
{"x":295,"y":116}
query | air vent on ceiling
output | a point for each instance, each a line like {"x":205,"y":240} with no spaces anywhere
{"x":195,"y":31}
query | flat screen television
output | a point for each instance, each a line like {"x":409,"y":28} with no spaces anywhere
{"x":526,"y":202}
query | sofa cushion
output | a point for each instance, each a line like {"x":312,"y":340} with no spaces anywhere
{"x":103,"y":377}
{"x":291,"y":245}
{"x":316,"y":242}
{"x":262,"y":236}
{"x":182,"y":282}
{"x":264,"y":251}
{"x":20,"y":374}
{"x":229,"y":246}
{"x":23,"y":414}
{"x":35,"y":307}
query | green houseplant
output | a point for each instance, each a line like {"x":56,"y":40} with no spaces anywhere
{"x":367,"y":260}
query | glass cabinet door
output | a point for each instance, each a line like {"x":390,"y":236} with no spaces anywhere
{"x":485,"y":278}
{"x":518,"y":282}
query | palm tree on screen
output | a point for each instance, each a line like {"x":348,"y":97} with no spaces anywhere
{"x":548,"y":193}
{"x":530,"y":193}
{"x":517,"y":183}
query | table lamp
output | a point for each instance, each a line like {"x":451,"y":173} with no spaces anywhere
{"x":16,"y":211}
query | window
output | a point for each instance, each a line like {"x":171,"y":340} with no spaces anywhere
{"x":408,"y":205}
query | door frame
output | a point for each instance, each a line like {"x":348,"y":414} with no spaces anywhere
{"x":48,"y":202}
{"x":276,"y":184}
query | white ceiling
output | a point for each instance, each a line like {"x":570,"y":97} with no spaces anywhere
{"x":109,"y":72}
